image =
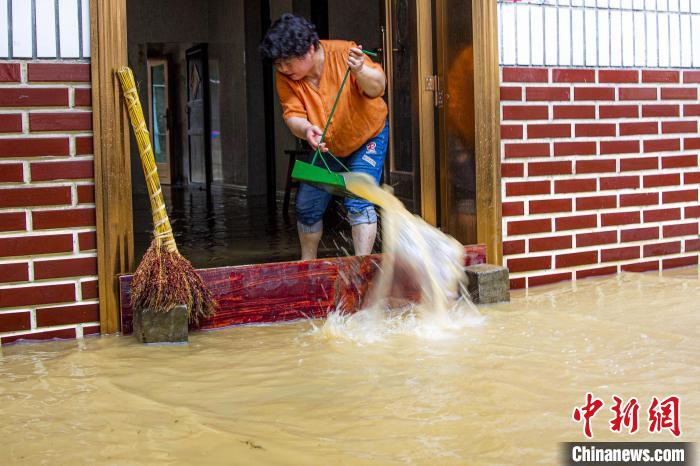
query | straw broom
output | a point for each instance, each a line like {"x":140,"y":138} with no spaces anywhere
{"x":164,"y":278}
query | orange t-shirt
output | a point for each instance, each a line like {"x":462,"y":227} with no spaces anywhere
{"x":357,"y":117}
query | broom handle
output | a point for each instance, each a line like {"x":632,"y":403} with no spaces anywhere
{"x":161,"y":224}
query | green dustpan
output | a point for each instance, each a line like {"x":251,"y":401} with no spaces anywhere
{"x":320,"y":177}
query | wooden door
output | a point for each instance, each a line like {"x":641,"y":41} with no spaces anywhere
{"x":159,"y":116}
{"x":198,"y":115}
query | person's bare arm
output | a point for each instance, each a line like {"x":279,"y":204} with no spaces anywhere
{"x":371,"y":80}
{"x":303,"y":129}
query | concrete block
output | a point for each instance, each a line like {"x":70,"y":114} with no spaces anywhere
{"x":488,"y":283}
{"x":161,"y":327}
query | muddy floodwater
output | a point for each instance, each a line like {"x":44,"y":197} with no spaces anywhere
{"x":500,"y":390}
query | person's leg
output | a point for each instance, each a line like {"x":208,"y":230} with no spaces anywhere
{"x":361,"y":213}
{"x":311,"y":203}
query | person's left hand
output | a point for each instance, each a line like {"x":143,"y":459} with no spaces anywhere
{"x":356,"y":59}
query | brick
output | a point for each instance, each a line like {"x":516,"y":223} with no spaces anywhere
{"x":596,"y":166}
{"x":639,"y":234}
{"x":71,"y":170}
{"x":576,"y":223}
{"x":679,"y":93}
{"x":549,"y":279}
{"x":641,"y":267}
{"x":89,"y":289}
{"x":692,"y":211}
{"x":15,"y":272}
{"x":639,"y":163}
{"x":512,"y":170}
{"x":86,"y":194}
{"x":691,"y":143}
{"x":527,"y":149}
{"x":594,"y":239}
{"x":511,"y":209}
{"x":83,"y":145}
{"x":33,"y":147}
{"x":66,"y":315}
{"x":11,"y":123}
{"x":551,"y":243}
{"x":91,"y":330}
{"x":672,"y":127}
{"x":687,"y":229}
{"x":687,"y":195}
{"x":527,"y":188}
{"x":690,"y":110}
{"x":548,"y":131}
{"x":663,"y":110}
{"x":679,"y":161}
{"x":660,"y":76}
{"x":619,"y":182}
{"x":653,"y":181}
{"x":511,"y":131}
{"x":513,"y":247}
{"x":594,"y":93}
{"x":526,"y":227}
{"x":33,"y":97}
{"x":691,"y":177}
{"x":13,"y":221}
{"x":597,"y":272}
{"x":10,"y":73}
{"x":691,"y":76}
{"x":517,"y":283}
{"x":574,"y":148}
{"x":692,"y":245}
{"x":619,"y":147}
{"x":87,"y":241}
{"x":511,"y":93}
{"x":82,"y":97}
{"x":63,"y":218}
{"x":575,"y":112}
{"x":595,"y":129}
{"x":549,"y":168}
{"x":11,"y":173}
{"x":575,"y":186}
{"x":638,"y":93}
{"x":25,"y":197}
{"x":35,"y":295}
{"x":679,"y":262}
{"x":662,"y":145}
{"x":64,"y":268}
{"x":645,"y":127}
{"x":548,"y":206}
{"x":525,"y":75}
{"x":14,"y":321}
{"x":619,"y":111}
{"x":34,"y":245}
{"x":619,"y":254}
{"x":67,"y":121}
{"x":566,"y":75}
{"x":618,"y":76}
{"x":58,"y":72}
{"x":619,"y":218}
{"x":662,"y":249}
{"x":596,"y":202}
{"x":631,"y":200}
{"x":525,"y":112}
{"x":527,"y":264}
{"x":577,"y":258}
{"x":547,"y":94}
{"x":661,"y":215}
{"x":65,"y":334}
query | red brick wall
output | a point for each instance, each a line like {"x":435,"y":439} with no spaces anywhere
{"x":48,"y":264}
{"x":600,"y":171}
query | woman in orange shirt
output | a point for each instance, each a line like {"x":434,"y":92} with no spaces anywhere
{"x":309,"y":75}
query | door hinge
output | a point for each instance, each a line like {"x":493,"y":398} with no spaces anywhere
{"x":432,"y":83}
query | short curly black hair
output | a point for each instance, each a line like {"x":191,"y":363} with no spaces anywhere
{"x":290,"y":36}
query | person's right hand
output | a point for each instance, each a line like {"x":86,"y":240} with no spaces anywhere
{"x":313,"y":137}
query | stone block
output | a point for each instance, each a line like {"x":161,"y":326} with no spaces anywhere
{"x":161,"y":327}
{"x":488,"y":283}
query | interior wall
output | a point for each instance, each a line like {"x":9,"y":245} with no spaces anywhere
{"x":348,"y":22}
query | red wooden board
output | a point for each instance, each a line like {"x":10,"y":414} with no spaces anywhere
{"x":282,"y":291}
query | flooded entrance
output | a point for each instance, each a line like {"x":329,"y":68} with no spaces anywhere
{"x":501,"y":391}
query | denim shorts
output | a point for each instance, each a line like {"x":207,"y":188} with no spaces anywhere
{"x":311,"y":202}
